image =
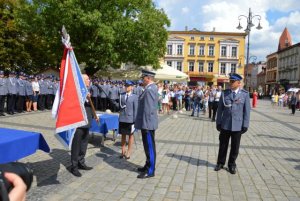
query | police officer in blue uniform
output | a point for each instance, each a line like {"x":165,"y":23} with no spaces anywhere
{"x":12,"y":92}
{"x":233,"y":118}
{"x":21,"y":91}
{"x":114,"y":97}
{"x":128,"y":112}
{"x":3,"y":92}
{"x":147,"y":122}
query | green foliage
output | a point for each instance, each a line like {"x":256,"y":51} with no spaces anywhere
{"x":103,"y":32}
{"x":12,"y":54}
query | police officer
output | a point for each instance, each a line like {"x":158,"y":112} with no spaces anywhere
{"x":3,"y":92}
{"x":139,"y":89}
{"x":128,"y":112}
{"x":94,"y":92}
{"x":147,"y":122}
{"x":43,"y":93}
{"x":12,"y":92}
{"x":114,"y":97}
{"x":233,"y":118}
{"x":21,"y":91}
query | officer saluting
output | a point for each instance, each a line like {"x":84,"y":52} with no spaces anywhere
{"x":233,"y":118}
{"x":147,"y":122}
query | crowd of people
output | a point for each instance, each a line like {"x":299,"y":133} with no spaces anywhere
{"x":286,"y":99}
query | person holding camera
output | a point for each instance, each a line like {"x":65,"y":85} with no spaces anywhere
{"x":233,"y":118}
{"x":18,"y":192}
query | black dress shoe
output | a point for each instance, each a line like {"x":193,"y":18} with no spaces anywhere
{"x":1,"y":114}
{"x":84,"y":167}
{"x":218,"y":167}
{"x":144,"y":175}
{"x":232,"y":170}
{"x":75,"y":172}
{"x":142,"y":169}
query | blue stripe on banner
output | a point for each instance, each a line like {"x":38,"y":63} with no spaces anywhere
{"x":151,"y":153}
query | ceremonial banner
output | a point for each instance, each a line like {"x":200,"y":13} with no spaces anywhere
{"x":68,"y":107}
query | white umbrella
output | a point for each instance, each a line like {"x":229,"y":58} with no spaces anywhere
{"x":169,"y":73}
{"x":293,"y":90}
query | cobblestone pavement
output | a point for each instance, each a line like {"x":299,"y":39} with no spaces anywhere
{"x":268,"y":163}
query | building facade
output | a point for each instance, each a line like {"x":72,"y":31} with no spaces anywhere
{"x":289,"y":66}
{"x":256,"y":69}
{"x":207,"y":57}
{"x":271,"y":74}
{"x":261,"y":82}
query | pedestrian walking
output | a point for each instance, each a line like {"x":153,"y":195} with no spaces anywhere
{"x":293,"y":103}
{"x":254,"y":99}
{"x":233,"y":118}
{"x":147,"y":122}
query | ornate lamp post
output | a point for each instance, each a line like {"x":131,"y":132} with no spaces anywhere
{"x":250,"y":24}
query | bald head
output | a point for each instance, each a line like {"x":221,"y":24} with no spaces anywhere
{"x":86,"y":80}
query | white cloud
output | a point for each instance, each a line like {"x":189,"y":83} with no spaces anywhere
{"x":185,"y":10}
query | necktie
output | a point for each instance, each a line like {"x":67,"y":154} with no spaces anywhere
{"x":126,"y":97}
{"x":233,"y":94}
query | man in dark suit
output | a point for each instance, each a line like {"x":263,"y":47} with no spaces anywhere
{"x":81,"y":138}
{"x":233,"y":118}
{"x":147,"y":122}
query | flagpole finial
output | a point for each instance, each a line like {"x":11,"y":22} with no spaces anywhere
{"x":65,"y":37}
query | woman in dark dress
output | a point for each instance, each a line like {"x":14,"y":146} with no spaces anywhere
{"x":128,"y":111}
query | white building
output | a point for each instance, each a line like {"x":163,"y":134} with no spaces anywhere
{"x":257,"y":68}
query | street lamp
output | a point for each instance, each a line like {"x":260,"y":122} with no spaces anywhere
{"x":250,"y":24}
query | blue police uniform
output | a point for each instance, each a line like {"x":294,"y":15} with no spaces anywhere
{"x":42,"y":94}
{"x":114,"y":97}
{"x":94,"y":93}
{"x":233,"y":117}
{"x":147,"y":122}
{"x":3,"y":92}
{"x":21,"y":88}
{"x":11,"y":93}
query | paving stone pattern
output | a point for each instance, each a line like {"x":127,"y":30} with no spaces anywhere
{"x":268,"y":163}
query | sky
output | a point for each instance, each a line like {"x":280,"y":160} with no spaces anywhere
{"x":205,"y":15}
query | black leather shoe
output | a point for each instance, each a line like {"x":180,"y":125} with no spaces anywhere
{"x":142,"y":169}
{"x":84,"y":167}
{"x":75,"y":172}
{"x":218,"y":167}
{"x":144,"y":175}
{"x":232,"y":170}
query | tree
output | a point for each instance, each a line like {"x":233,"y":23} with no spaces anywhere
{"x":103,"y":32}
{"x":12,"y":54}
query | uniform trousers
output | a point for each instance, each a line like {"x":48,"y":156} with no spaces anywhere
{"x":210,"y":108}
{"x":224,"y":137}
{"x":20,"y":103}
{"x":95,"y":102}
{"x":103,"y":104}
{"x":148,"y":137}
{"x":79,"y":146}
{"x":49,"y":101}
{"x":215,"y":108}
{"x":41,"y":101}
{"x":2,"y":99}
{"x":11,"y":102}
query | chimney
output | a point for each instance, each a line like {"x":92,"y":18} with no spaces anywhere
{"x":186,"y":28}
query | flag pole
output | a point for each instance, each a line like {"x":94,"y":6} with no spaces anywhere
{"x":66,"y":37}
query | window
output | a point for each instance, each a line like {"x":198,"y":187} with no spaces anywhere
{"x":211,"y":38}
{"x":201,"y":37}
{"x":169,"y":63}
{"x":223,"y":51}
{"x":192,"y":38}
{"x":201,"y":66}
{"x":211,"y":50}
{"x":201,"y":50}
{"x":179,"y":65}
{"x":179,"y":49}
{"x":169,"y":50}
{"x":223,"y":69}
{"x":233,"y":51}
{"x":233,"y":68}
{"x":192,"y":50}
{"x":191,"y":66}
{"x":210,"y":67}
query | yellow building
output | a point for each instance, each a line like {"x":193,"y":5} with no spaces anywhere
{"x":207,"y":57}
